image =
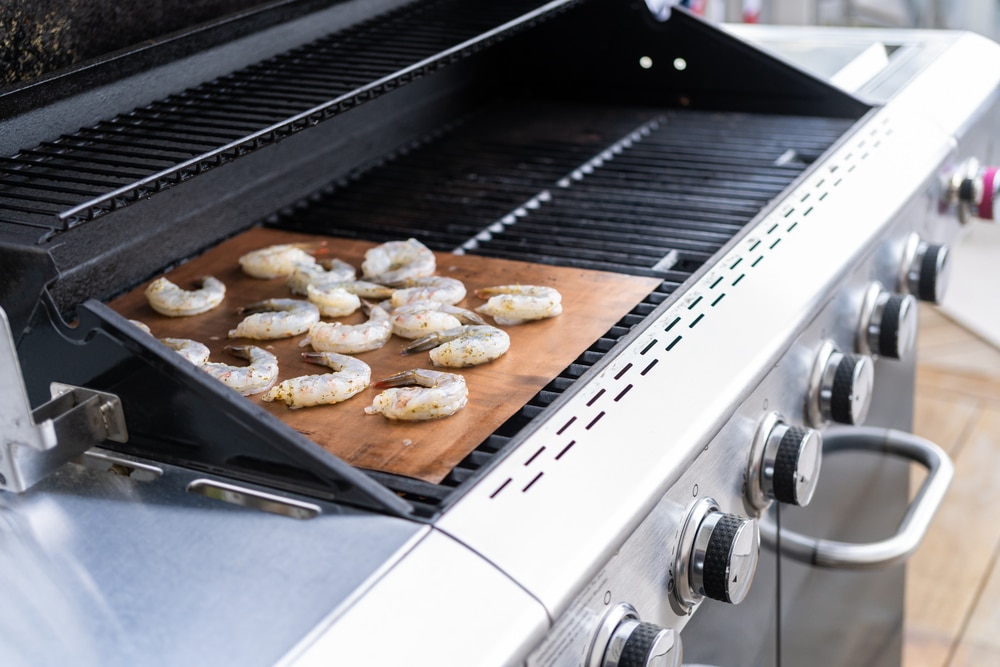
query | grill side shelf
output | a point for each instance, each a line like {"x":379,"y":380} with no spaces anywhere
{"x":82,"y":176}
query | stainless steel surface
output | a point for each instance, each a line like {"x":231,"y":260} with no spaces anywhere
{"x":101,"y":569}
{"x":892,"y":550}
{"x":35,"y":443}
{"x":440,"y":605}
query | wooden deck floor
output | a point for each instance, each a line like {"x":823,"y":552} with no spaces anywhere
{"x":953,"y":581}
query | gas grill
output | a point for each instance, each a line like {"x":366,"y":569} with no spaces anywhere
{"x":649,"y":499}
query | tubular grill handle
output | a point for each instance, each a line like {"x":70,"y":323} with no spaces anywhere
{"x":916,"y":521}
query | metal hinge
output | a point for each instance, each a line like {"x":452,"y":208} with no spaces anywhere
{"x":34,"y":443}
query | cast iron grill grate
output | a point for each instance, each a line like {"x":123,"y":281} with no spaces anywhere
{"x":78,"y":177}
{"x":633,"y":191}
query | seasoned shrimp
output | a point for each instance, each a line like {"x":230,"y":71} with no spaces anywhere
{"x":516,"y":304}
{"x":396,"y":261}
{"x":351,"y":338}
{"x":258,"y":376}
{"x":349,"y":377}
{"x":168,"y":299}
{"x":430,"y":288}
{"x":435,"y":395}
{"x":339,"y":299}
{"x":425,"y":317}
{"x":278,"y":260}
{"x":319,"y":274}
{"x":468,"y":345}
{"x":195,"y":352}
{"x":276,"y":318}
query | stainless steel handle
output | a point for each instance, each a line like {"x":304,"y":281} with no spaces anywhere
{"x":913,"y":527}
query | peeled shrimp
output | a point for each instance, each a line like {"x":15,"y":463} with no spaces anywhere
{"x":349,"y":377}
{"x":516,"y":304}
{"x":195,"y":352}
{"x":468,"y":345}
{"x":396,"y":261}
{"x":276,"y":318}
{"x":278,"y":260}
{"x":339,"y":299}
{"x":435,"y":395}
{"x":425,"y":317}
{"x":351,"y":338}
{"x":258,"y":376}
{"x":319,"y":274}
{"x":168,"y":299}
{"x":430,"y":288}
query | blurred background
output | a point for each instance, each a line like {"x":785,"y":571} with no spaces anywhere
{"x":981,"y":16}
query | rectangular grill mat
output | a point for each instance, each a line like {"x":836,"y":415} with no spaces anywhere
{"x":593,"y":301}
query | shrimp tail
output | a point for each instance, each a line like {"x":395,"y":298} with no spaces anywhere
{"x":431,"y":340}
{"x":405,"y":378}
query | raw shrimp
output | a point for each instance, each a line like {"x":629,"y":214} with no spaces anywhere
{"x":339,"y":299}
{"x":319,"y":274}
{"x":258,"y":376}
{"x":278,"y":260}
{"x":195,"y":352}
{"x":396,"y":261}
{"x":435,"y":395}
{"x":276,"y":318}
{"x":349,"y":377}
{"x":430,"y":288}
{"x":468,"y":345}
{"x":168,"y":299}
{"x":425,"y":317}
{"x":516,"y":304}
{"x":351,"y":338}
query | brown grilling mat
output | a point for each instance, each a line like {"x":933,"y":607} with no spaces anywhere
{"x":593,"y":301}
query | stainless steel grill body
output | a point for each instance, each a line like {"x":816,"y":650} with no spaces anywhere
{"x":766,"y":223}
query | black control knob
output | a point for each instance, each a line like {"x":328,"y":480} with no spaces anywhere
{"x":843,"y":387}
{"x":791,"y":462}
{"x":630,"y":642}
{"x":716,"y":557}
{"x":928,"y":271}
{"x":979,"y":191}
{"x":889,"y":324}
{"x":724,"y":559}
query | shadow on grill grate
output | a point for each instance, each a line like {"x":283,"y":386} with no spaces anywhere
{"x":636,"y":191}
